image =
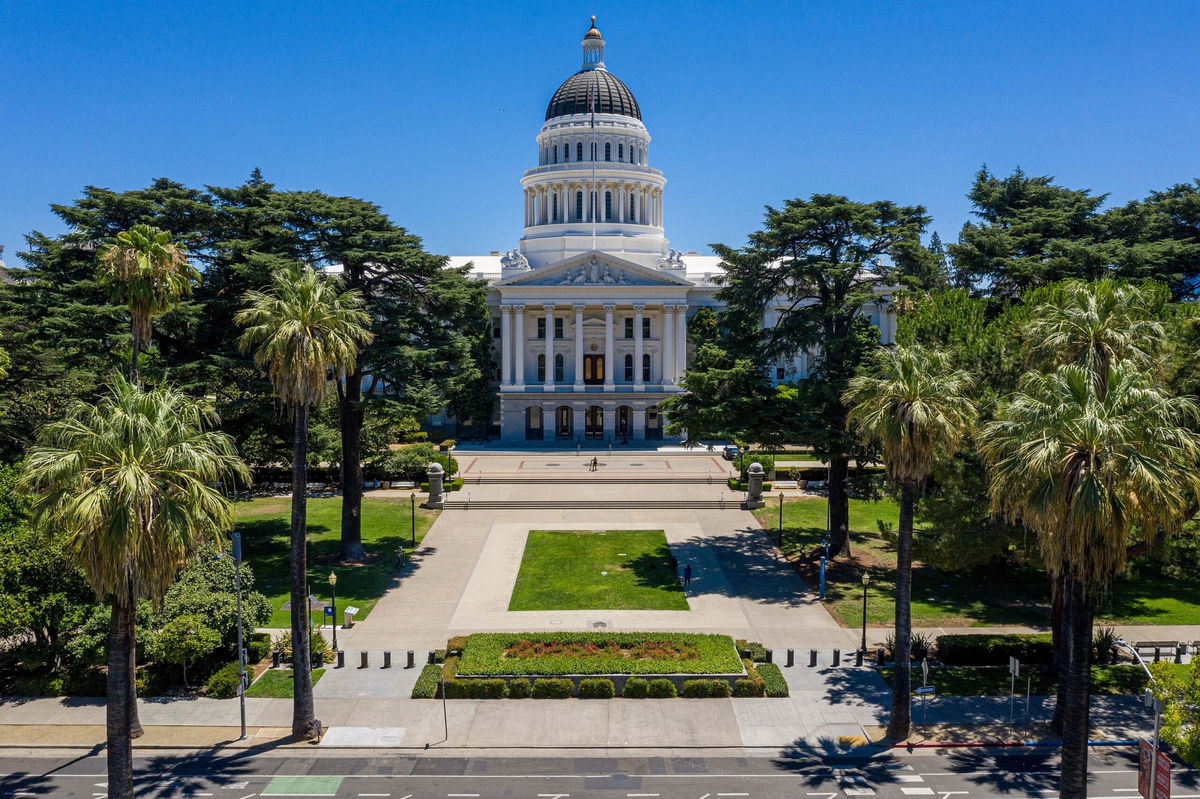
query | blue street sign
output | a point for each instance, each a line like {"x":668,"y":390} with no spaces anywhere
{"x":329,"y":610}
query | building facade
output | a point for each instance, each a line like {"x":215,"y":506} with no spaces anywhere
{"x":590,"y":310}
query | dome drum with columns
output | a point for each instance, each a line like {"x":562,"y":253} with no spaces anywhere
{"x":590,"y":311}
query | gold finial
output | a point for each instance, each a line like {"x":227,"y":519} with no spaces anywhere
{"x":593,"y":20}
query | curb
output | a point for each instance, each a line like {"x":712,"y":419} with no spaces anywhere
{"x":964,"y":744}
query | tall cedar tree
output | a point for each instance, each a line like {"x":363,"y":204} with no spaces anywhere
{"x":815,"y":264}
{"x":427,"y":321}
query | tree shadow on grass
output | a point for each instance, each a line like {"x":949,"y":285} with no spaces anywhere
{"x":653,"y":570}
{"x":751,"y":565}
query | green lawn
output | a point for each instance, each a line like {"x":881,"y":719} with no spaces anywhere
{"x":565,"y":570}
{"x":277,"y":684}
{"x":980,"y":598}
{"x":385,"y":526}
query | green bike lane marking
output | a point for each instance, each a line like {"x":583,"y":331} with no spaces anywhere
{"x":303,"y":786}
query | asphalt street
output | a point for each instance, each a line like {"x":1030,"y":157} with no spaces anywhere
{"x":895,"y":774}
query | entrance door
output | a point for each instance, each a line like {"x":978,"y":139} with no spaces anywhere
{"x":624,"y":423}
{"x":564,"y":423}
{"x":593,"y":423}
{"x":593,"y":370}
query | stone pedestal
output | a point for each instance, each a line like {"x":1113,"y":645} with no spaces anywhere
{"x":437,"y":493}
{"x":754,"y":484}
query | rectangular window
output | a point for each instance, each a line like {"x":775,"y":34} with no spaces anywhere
{"x":495,"y":329}
{"x":645,"y":368}
{"x":558,"y":369}
{"x":645,"y":327}
{"x":628,"y":368}
{"x":558,"y":327}
{"x":779,"y":373}
{"x":628,"y":327}
{"x":541,"y":327}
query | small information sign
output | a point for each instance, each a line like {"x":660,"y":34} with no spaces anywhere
{"x":926,"y":689}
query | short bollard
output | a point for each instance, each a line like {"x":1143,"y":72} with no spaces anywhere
{"x":362,"y":659}
{"x":812,"y":658}
{"x":858,"y":655}
{"x":1180,"y":649}
{"x":387,"y":660}
{"x":879,"y":658}
{"x":791,"y":661}
{"x":412,"y":659}
{"x":1157,"y":654}
{"x":770,"y":655}
{"x":275,"y":658}
{"x":431,"y":657}
{"x":341,"y":659}
{"x":837,"y":657}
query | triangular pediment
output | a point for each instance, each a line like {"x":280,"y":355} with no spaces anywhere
{"x":594,"y":269}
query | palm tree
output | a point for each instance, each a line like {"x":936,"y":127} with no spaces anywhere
{"x":128,"y":480}
{"x":1083,"y":470}
{"x":914,"y":403}
{"x":148,"y":273}
{"x":302,"y":330}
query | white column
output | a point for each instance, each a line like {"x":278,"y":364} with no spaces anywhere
{"x":610,"y":353}
{"x":578,"y":348}
{"x":638,"y":350}
{"x":668,"y":346}
{"x":549,"y":383}
{"x":680,"y":341}
{"x":505,"y":345}
{"x":519,"y":352}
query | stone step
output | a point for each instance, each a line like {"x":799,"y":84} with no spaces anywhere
{"x":592,"y":504}
{"x":716,"y":479}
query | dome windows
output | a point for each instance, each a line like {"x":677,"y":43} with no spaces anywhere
{"x":607,"y":151}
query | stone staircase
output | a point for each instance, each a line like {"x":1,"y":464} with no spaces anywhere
{"x":716,"y":479}
{"x":593,"y":504}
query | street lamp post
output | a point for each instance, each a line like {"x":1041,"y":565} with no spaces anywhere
{"x":237,"y":580}
{"x":333,"y":621}
{"x":412,"y":510}
{"x":866,"y":578}
{"x":781,"y":520}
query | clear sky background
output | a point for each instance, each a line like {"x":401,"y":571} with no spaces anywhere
{"x":430,"y":109}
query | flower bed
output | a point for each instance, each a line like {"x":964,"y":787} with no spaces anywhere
{"x":512,"y":654}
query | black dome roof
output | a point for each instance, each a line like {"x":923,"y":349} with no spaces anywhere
{"x":611,"y":95}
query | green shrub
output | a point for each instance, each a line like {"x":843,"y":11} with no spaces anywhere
{"x":39,"y":685}
{"x":484,"y":655}
{"x":661,"y":688}
{"x":89,"y":682}
{"x":456,"y":644}
{"x":223,"y":684}
{"x":321,"y":653}
{"x":519,"y":688}
{"x":259,"y":647}
{"x":994,"y":650}
{"x":705,"y":689}
{"x":552,"y":688}
{"x":772,"y":678}
{"x":636,"y":688}
{"x":439,"y":656}
{"x":742,"y":463}
{"x":597,"y":688}
{"x":918,"y":646}
{"x":456,"y":689}
{"x":494,"y":688}
{"x":447,"y":485}
{"x":758,"y":652}
{"x":749,"y":686}
{"x":427,"y":683}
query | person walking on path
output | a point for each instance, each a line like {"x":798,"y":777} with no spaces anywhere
{"x":595,"y":464}
{"x":687,"y":575}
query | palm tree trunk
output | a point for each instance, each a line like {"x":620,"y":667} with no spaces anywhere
{"x":303,"y":713}
{"x":901,"y":716}
{"x":352,"y":477}
{"x":136,"y":346}
{"x":1076,"y":722}
{"x":120,"y":699}
{"x":1060,"y":635}
{"x":135,"y":724}
{"x":839,"y":506}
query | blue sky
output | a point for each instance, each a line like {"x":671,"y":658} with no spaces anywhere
{"x":430,"y":109}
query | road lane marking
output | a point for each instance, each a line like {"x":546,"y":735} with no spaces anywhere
{"x":554,"y":795}
{"x":917,"y":791}
{"x":827,"y":795}
{"x":462,"y":794}
{"x":858,"y":791}
{"x":908,"y":778}
{"x":733,"y":794}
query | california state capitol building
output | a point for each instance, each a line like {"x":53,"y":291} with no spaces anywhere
{"x":590,"y":311}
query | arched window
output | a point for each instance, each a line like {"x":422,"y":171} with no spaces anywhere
{"x":607,"y":151}
{"x":608,"y":214}
{"x":541,"y":369}
{"x":632,"y":210}
{"x":593,"y":151}
{"x":556,"y":153}
{"x":620,"y":152}
{"x":628,"y":368}
{"x":646,"y":368}
{"x":578,"y":151}
{"x":558,"y":368}
{"x":556,"y":206}
{"x":578,"y":206}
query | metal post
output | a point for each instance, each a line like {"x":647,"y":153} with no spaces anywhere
{"x":822,"y":594}
{"x":333,"y":619}
{"x":237,"y":578}
{"x":864,"y":612}
{"x":412,"y":506}
{"x":781,"y":520}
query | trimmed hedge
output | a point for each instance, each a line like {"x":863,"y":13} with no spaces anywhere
{"x":773,"y":681}
{"x":758,"y":652}
{"x":427,"y":683}
{"x":661,"y":688}
{"x":476,"y":689}
{"x":259,"y":647}
{"x":484,"y":655}
{"x":552,"y":688}
{"x":597,"y":688}
{"x":636,"y":688}
{"x":705,"y":689}
{"x":520,"y":688}
{"x":223,"y":684}
{"x":749,"y":686}
{"x":994,"y":650}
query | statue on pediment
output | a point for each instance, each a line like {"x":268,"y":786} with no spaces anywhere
{"x":514,"y":259}
{"x":673,"y":260}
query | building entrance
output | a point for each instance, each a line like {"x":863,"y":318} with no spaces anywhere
{"x":624,"y":423}
{"x":593,"y":423}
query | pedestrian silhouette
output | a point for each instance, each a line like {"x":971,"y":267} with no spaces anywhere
{"x":595,"y":464}
{"x":674,"y":562}
{"x":687,"y":574}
